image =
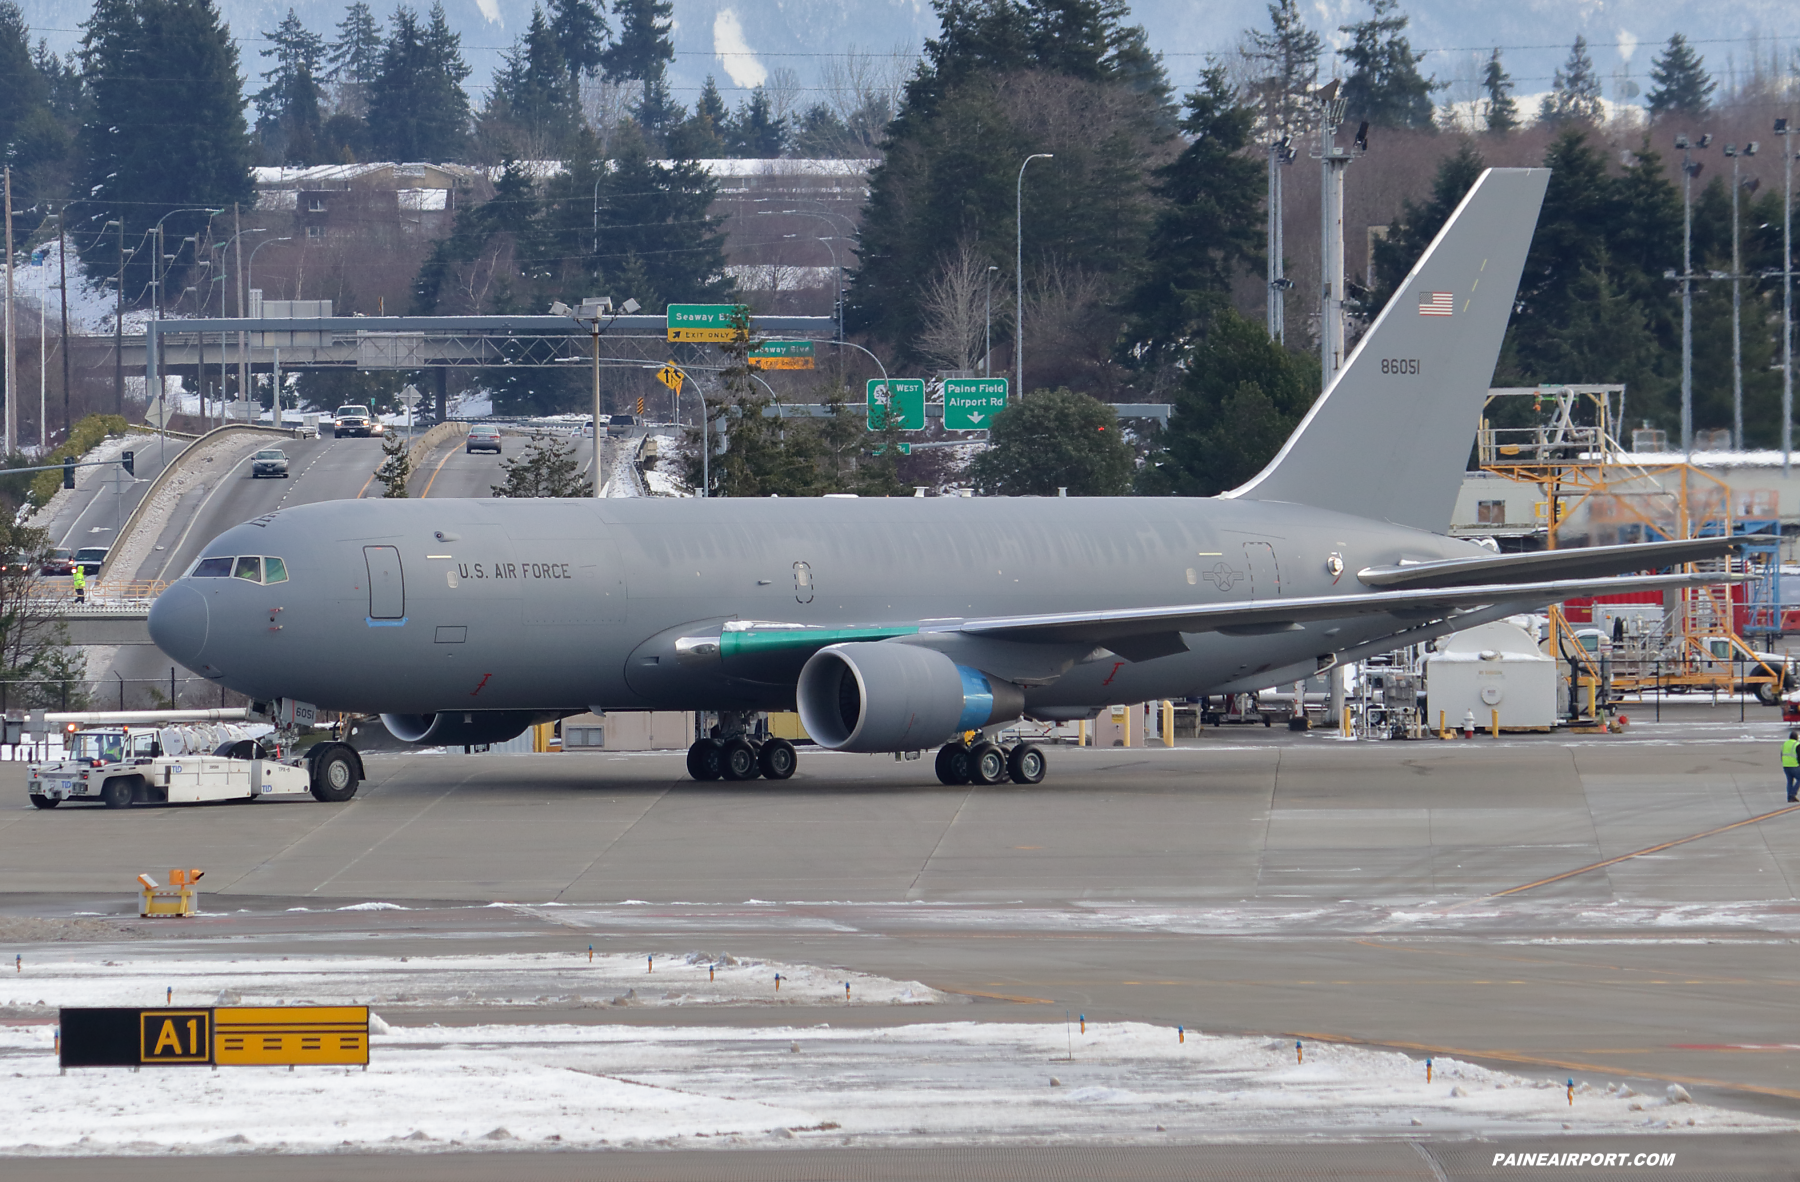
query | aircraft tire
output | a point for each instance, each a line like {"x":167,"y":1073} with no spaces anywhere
{"x":706,"y":759}
{"x":1026,"y":764}
{"x":777,"y":759}
{"x":116,"y":792}
{"x":737,"y":761}
{"x":334,"y":778}
{"x":953,"y":764}
{"x":44,"y":802}
{"x":987,"y":764}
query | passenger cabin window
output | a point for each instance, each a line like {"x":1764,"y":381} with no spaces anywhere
{"x":249,"y":567}
{"x":213,"y":568}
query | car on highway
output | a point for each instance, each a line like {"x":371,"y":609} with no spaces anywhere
{"x":620,"y":424}
{"x":483,"y":438}
{"x":352,"y":420}
{"x":90,"y":559}
{"x":59,"y":561}
{"x":270,"y":461}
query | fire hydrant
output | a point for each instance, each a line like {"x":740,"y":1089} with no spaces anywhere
{"x":1468,"y":724}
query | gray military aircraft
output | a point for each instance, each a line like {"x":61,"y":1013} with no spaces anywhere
{"x":901,"y":625}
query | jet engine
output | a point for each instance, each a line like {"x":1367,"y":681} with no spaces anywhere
{"x":457,"y":728}
{"x":883,"y":696}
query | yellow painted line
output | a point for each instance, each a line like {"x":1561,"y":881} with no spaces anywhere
{"x":1036,"y":1001}
{"x":434,"y":473}
{"x":1504,"y":1056}
{"x":1627,"y":857}
{"x":365,"y":487}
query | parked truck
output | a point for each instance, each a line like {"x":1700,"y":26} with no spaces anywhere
{"x":118,"y":766}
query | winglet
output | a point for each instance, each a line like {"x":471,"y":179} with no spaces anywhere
{"x":1390,"y":438}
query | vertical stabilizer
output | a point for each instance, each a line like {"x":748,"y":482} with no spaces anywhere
{"x":1390,"y":438}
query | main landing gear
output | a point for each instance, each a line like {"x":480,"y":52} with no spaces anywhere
{"x":741,"y":759}
{"x":990,"y":763}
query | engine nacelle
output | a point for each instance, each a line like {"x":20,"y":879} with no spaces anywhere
{"x":458,"y":728}
{"x":883,"y":696}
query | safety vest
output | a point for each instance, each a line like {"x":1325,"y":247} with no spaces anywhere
{"x":80,"y":577}
{"x":1790,"y":753}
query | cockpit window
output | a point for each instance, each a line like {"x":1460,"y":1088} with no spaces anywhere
{"x":274,"y":570}
{"x":249,"y":567}
{"x":213,"y":568}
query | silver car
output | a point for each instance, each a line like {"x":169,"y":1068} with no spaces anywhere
{"x":270,"y":461}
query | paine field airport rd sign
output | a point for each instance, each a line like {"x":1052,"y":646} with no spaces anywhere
{"x":970,"y":404}
{"x":704,"y":322}
{"x":903,"y":397}
{"x":782,"y":355}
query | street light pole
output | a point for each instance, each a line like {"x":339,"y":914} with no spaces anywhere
{"x":1737,"y":299}
{"x":119,"y":325}
{"x":1688,"y":171}
{"x":987,"y":356}
{"x":250,"y":271}
{"x":1019,"y":270}
{"x":1787,"y":296}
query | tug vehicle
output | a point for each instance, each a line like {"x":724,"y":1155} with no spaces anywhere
{"x":117,"y":766}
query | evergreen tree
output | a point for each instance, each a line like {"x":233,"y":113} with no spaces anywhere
{"x":1241,"y":397}
{"x":1575,"y":91}
{"x":1385,"y":86}
{"x":1210,"y":230}
{"x":532,"y":108}
{"x":546,"y":468}
{"x":417,"y":108}
{"x":355,"y":58}
{"x":35,"y":134}
{"x":580,"y":28}
{"x":1289,"y":55}
{"x":701,"y":136}
{"x":754,"y":132}
{"x":820,"y":134}
{"x":288,"y":107}
{"x":1500,"y":111}
{"x":657,"y":113}
{"x":1682,"y":85}
{"x":1055,"y":439}
{"x":143,"y":60}
{"x":396,"y":467}
{"x":643,"y":49}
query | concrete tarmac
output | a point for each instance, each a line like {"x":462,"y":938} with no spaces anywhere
{"x":1609,"y":908}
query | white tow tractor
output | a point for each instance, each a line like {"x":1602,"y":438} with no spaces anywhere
{"x":119,"y":765}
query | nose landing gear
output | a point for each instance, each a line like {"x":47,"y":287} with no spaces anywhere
{"x":989,"y":763}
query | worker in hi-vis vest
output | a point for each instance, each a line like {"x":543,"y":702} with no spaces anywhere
{"x":1790,"y":764}
{"x":80,"y":578}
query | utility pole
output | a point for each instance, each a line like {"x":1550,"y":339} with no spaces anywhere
{"x":119,"y":326}
{"x":1787,"y":295}
{"x":1689,"y":170}
{"x":987,"y":357}
{"x":243,"y":343}
{"x":12,"y":344}
{"x":62,"y":255}
{"x":1737,"y":300}
{"x":1279,"y":154}
{"x":1333,"y":161}
{"x":1019,"y":271}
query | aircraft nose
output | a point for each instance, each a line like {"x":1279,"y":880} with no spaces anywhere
{"x":178,"y":624}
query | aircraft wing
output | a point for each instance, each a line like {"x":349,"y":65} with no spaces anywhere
{"x":1145,"y":633}
{"x":1587,"y":562}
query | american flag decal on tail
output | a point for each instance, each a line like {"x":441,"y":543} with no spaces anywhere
{"x":1436,"y":303}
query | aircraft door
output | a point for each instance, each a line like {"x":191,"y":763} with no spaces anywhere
{"x":1265,"y":571}
{"x":387,"y":584}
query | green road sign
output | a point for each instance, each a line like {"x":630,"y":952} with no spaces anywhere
{"x":906,"y":397}
{"x":881,"y":449}
{"x":703,"y":322}
{"x":970,"y":404}
{"x":782,"y":355}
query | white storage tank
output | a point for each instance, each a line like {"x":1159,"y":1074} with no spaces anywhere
{"x":1492,"y":667}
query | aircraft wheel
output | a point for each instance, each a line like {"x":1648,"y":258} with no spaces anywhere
{"x":1026,"y":764}
{"x":116,"y":793}
{"x":334,"y":775}
{"x":706,"y":759}
{"x":987,"y":764}
{"x":737,"y":761}
{"x":44,"y":802}
{"x":777,"y":759}
{"x":953,"y":764}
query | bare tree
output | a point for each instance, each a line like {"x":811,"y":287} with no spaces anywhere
{"x":954,"y":309}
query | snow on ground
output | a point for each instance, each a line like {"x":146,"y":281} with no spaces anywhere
{"x":66,"y":976}
{"x":433,"y":1087}
{"x":662,"y":480}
